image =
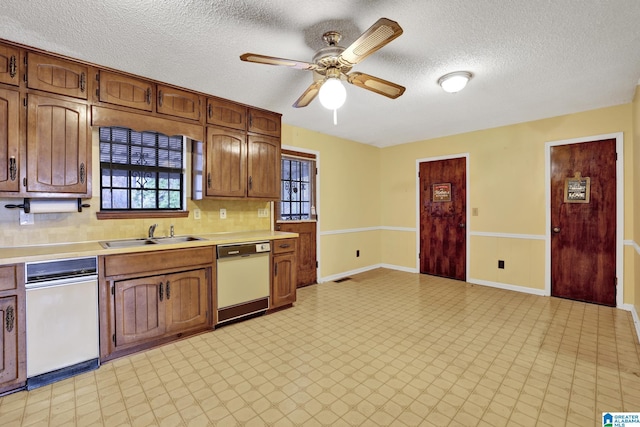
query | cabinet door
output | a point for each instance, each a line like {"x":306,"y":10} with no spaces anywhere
{"x":263,"y":163}
{"x":283,"y":290}
{"x":9,"y":58}
{"x":126,"y":91}
{"x":226,"y":113}
{"x":56,"y":75}
{"x":58,"y":149}
{"x":9,"y":137}
{"x":139,"y":310}
{"x":226,"y":159}
{"x":264,"y":122}
{"x":179,"y":103}
{"x":9,"y":348}
{"x":186,"y":300}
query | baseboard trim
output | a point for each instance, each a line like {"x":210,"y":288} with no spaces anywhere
{"x":507,"y":287}
{"x":636,"y":319}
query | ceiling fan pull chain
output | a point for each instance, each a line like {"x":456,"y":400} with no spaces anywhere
{"x":335,"y":117}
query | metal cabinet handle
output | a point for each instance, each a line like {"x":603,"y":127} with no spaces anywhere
{"x":13,"y":66}
{"x":275,"y":269}
{"x":250,"y":183}
{"x":83,"y":82}
{"x":168,"y":289}
{"x":10,"y":319}
{"x":83,"y":173}
{"x":159,"y":98}
{"x":161,"y":296}
{"x":209,"y":110}
{"x":13,"y":168}
{"x":285,"y":245}
{"x":209,"y":180}
{"x":148,"y":96}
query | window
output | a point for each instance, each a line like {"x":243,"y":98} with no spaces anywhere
{"x":297,"y":201}
{"x":141,"y":171}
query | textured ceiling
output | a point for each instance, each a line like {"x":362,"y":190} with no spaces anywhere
{"x":531,"y":58}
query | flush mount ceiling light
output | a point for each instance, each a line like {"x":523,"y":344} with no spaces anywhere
{"x":454,"y":82}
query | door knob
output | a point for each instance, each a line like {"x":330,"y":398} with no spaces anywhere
{"x":556,"y":229}
{"x":461,"y":225}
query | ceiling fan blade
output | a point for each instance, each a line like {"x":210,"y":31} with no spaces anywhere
{"x":309,"y":94}
{"x":376,"y":84}
{"x":378,"y":35}
{"x":272,"y":60}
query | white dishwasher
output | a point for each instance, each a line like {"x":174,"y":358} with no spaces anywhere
{"x":243,"y":280}
{"x":62,"y":319}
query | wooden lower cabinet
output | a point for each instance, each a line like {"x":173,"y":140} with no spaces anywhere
{"x":283,"y":273}
{"x":143,"y":308}
{"x":13,"y":356}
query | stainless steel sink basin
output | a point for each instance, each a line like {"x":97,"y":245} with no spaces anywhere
{"x":127,"y":243}
{"x":176,"y":239}
{"x":132,"y":243}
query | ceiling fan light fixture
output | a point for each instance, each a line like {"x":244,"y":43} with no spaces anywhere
{"x":332,"y":94}
{"x":455,"y":82}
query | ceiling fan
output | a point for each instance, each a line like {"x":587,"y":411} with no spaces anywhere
{"x":335,"y":62}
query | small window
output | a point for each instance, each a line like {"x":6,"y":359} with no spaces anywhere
{"x":141,"y":171}
{"x":297,"y":201}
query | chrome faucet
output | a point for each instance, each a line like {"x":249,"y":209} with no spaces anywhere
{"x":152,"y":230}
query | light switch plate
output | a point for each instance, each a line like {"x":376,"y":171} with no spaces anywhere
{"x":196,"y":214}
{"x":263,"y":213}
{"x":223,"y":214}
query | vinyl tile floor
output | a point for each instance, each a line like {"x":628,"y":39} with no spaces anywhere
{"x":383,"y":348}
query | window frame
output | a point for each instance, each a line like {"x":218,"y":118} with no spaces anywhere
{"x":302,"y":157}
{"x":180,"y":212}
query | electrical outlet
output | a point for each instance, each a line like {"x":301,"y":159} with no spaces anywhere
{"x":263,"y":213}
{"x":26,"y":218}
{"x":223,"y":214}
{"x":474,"y":211}
{"x":196,"y":214}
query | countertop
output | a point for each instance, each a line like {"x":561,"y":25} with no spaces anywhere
{"x":18,"y":254}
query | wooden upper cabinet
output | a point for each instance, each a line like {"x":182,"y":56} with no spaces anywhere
{"x":9,"y":61}
{"x":179,"y":103}
{"x":126,"y":91}
{"x":264,"y":122}
{"x":226,"y":113}
{"x":225,"y":164}
{"x":9,"y":140}
{"x":58,"y":149}
{"x":263,"y":167}
{"x":56,"y":75}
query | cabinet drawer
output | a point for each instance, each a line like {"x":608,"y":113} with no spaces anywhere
{"x":179,"y":103}
{"x":57,"y":75}
{"x":8,"y":278}
{"x":153,"y":262}
{"x":284,"y":245}
{"x":126,"y":91}
{"x":226,"y":113}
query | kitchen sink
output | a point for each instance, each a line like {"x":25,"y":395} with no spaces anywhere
{"x":127,"y":243}
{"x":132,"y":243}
{"x":176,"y":239}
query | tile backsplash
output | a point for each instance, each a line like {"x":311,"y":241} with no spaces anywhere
{"x":83,"y":226}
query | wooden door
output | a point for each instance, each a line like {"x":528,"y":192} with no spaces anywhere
{"x":225,"y":164}
{"x":305,"y":250}
{"x":127,"y":91}
{"x":57,"y":75}
{"x":443,"y":218}
{"x":58,"y":152}
{"x":186,"y":297}
{"x":9,"y":335}
{"x":9,"y":140}
{"x":9,"y":64}
{"x":139,"y":310}
{"x":583,"y":221}
{"x":284,"y":280}
{"x":263,"y":167}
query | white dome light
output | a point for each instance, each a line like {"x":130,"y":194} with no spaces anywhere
{"x":454,"y":82}
{"x":332,"y":94}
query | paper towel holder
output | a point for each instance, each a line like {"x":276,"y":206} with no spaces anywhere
{"x":26,"y":205}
